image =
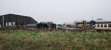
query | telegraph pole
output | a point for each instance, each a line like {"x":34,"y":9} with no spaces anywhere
{"x":3,"y":21}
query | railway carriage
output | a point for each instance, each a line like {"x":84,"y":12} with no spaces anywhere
{"x":98,"y":25}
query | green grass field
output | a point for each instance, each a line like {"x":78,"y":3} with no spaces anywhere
{"x":27,"y":40}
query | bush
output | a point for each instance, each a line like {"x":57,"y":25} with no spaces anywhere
{"x":26,"y":40}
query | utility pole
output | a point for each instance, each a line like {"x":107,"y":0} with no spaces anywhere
{"x":3,"y":21}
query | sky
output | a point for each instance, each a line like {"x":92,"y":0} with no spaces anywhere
{"x":58,"y":11}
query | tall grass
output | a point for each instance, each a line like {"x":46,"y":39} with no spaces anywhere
{"x":27,"y":40}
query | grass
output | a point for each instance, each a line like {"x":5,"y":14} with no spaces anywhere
{"x":27,"y":40}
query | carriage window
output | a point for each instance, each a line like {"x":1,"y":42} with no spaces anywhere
{"x":97,"y":25}
{"x":101,"y":25}
{"x":9,"y":23}
{"x":109,"y":25}
{"x":105,"y":25}
{"x":13,"y":23}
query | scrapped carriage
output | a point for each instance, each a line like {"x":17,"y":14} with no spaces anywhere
{"x":15,"y":21}
{"x":105,"y":25}
{"x":96,"y":25}
{"x":47,"y":26}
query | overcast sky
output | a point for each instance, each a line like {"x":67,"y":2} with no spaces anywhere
{"x":58,"y":11}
